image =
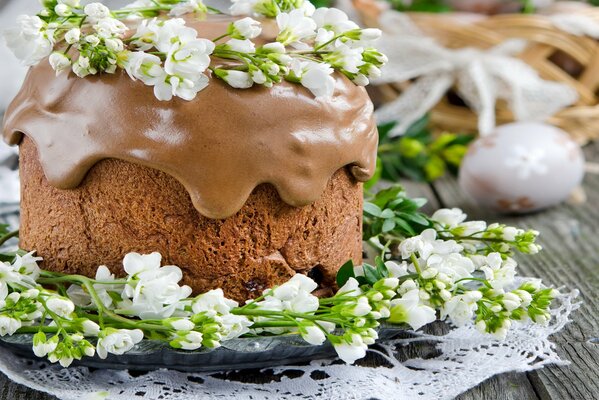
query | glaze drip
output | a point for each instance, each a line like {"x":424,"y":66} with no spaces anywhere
{"x":220,"y":146}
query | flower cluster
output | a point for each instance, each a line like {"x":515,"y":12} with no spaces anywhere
{"x":452,"y":270}
{"x":169,"y":56}
{"x":451,"y":223}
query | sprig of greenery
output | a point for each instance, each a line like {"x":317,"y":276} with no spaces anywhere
{"x":390,"y":213}
{"x":418,"y":154}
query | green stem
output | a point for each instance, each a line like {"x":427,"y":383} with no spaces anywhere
{"x":284,"y":314}
{"x":220,"y":37}
{"x":416,"y":264}
{"x":8,"y":236}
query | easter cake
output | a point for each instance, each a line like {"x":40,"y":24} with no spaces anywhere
{"x":240,"y":188}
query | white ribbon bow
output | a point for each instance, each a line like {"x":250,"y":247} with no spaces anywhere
{"x":481,"y":78}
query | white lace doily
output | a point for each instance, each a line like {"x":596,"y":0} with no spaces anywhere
{"x":465,"y":359}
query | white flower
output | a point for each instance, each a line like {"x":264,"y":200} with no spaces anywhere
{"x":525,"y":297}
{"x":118,"y":342}
{"x":345,"y":57}
{"x":188,"y":7}
{"x":370,"y":34}
{"x":94,"y":40}
{"x":70,"y":3}
{"x":304,"y":302}
{"x":96,"y":11}
{"x":59,"y":62}
{"x":191,"y":341}
{"x":242,"y":7}
{"x":62,"y":10}
{"x":109,"y":27}
{"x":350,"y":352}
{"x":312,"y":334}
{"x":162,"y":34}
{"x":259,"y":77}
{"x":333,"y":19}
{"x":294,"y":27}
{"x":73,"y":35}
{"x":409,"y":309}
{"x":60,"y":306}
{"x":152,"y":292}
{"x":90,"y":328}
{"x":41,"y":348}
{"x":315,"y":76}
{"x":213,"y":302}
{"x":145,"y":67}
{"x":234,"y":326}
{"x":189,"y":59}
{"x":511,"y":301}
{"x":8,"y":325}
{"x":351,"y":288}
{"x":323,"y":36}
{"x":510,"y":233}
{"x":307,"y":8}
{"x":527,"y":161}
{"x":449,"y":217}
{"x":242,"y":46}
{"x":236,"y":79}
{"x":454,"y":265}
{"x":7,"y":275}
{"x":397,"y":270}
{"x":361,"y":308}
{"x":182,"y":324}
{"x":500,"y":273}
{"x":294,"y":286}
{"x":115,"y":45}
{"x":460,"y":309}
{"x":469,"y":228}
{"x":29,"y":41}
{"x":247,"y":28}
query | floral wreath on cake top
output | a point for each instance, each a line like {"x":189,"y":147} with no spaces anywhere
{"x":437,"y":267}
{"x":168,"y":55}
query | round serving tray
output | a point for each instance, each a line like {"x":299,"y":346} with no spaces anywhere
{"x":242,"y":353}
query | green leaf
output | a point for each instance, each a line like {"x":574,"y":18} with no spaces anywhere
{"x":381,"y":268}
{"x":387,"y":213}
{"x":405,"y":226}
{"x":345,"y":272}
{"x":372,"y":209}
{"x":388,"y":225}
{"x":371,"y":274}
{"x":383,"y":197}
{"x":415,"y":217}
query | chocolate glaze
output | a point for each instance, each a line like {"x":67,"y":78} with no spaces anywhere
{"x":220,"y":146}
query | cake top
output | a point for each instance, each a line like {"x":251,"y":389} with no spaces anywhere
{"x":290,"y":129}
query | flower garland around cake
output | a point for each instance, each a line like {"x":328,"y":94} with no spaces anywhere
{"x":165,"y":53}
{"x":429,"y":268}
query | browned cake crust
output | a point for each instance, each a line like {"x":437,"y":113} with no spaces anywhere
{"x":122,"y":207}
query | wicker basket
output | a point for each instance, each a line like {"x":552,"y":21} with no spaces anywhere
{"x":556,"y":55}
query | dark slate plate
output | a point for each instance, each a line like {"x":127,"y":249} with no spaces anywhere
{"x":254,"y":352}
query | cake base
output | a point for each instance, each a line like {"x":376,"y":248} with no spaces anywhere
{"x":122,"y":207}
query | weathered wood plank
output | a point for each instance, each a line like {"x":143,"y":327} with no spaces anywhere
{"x":570,"y":235}
{"x":11,"y":391}
{"x":510,"y":386}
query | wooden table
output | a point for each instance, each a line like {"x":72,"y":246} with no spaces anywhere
{"x":570,"y":235}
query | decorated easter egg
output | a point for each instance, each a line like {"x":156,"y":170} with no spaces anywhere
{"x":522,"y":167}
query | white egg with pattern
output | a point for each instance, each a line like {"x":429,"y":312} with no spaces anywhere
{"x":522,"y":167}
